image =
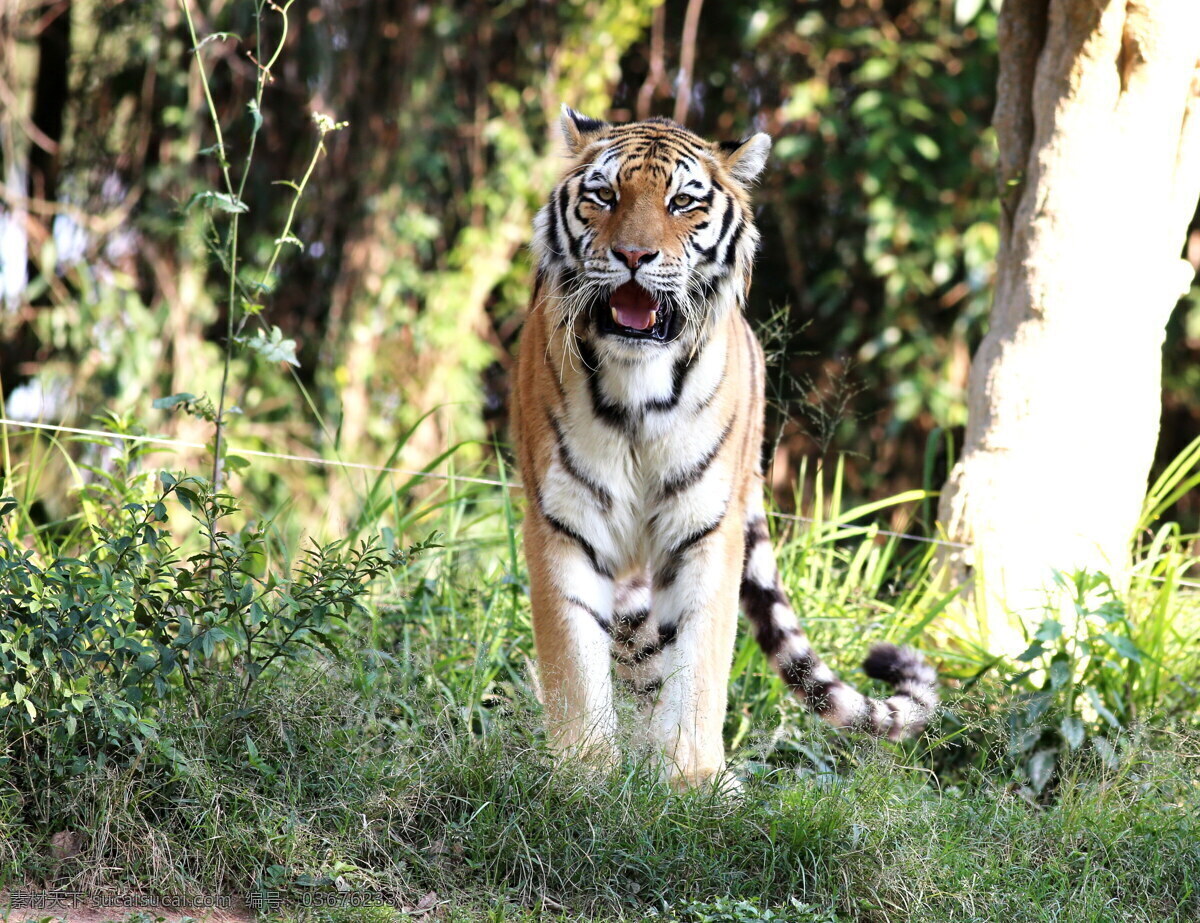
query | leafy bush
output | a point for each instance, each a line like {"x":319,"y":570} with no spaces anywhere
{"x":90,"y":646}
{"x":1080,"y":684}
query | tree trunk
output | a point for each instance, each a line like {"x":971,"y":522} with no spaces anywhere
{"x":1098,"y":124}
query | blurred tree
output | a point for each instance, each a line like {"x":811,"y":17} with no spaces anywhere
{"x":1098,"y":123}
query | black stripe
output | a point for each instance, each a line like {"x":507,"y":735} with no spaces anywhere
{"x":712,"y":396}
{"x":699,"y":535}
{"x":600,"y":620}
{"x":627,"y":624}
{"x":797,"y":672}
{"x":561,"y":527}
{"x":603,"y":497}
{"x":635,"y":619}
{"x":756,"y":531}
{"x":555,"y":242}
{"x":661,"y":129}
{"x":645,"y":690}
{"x":731,"y":250}
{"x":758,"y":602}
{"x":666,"y":576}
{"x":563,"y":200}
{"x":679,"y":373}
{"x":667,"y":635}
{"x":710,"y":253}
{"x":689,"y":477}
{"x":613,"y":414}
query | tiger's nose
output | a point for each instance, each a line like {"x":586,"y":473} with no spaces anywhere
{"x":633,"y":257}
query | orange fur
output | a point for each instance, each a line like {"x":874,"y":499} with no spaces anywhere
{"x":639,"y":448}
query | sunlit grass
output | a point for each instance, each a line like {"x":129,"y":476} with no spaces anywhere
{"x":415,"y":762}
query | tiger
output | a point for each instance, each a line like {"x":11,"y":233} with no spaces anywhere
{"x":637,"y":414}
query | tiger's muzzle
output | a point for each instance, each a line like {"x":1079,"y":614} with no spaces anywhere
{"x":634,"y":313}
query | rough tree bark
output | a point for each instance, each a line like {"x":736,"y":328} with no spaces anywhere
{"x":1098,"y":124}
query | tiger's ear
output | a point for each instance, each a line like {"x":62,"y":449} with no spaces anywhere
{"x":745,"y":159}
{"x":578,"y":129}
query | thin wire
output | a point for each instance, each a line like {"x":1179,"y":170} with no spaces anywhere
{"x":234,"y":450}
{"x":361,"y":466}
{"x":875,"y":531}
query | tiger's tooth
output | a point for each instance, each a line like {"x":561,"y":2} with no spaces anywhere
{"x":614,"y":314}
{"x":653,"y":318}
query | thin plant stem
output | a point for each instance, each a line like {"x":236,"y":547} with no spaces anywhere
{"x":264,"y":75}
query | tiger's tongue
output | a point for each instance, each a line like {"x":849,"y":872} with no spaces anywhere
{"x":634,"y":306}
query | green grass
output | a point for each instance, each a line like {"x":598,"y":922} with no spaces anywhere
{"x":414,"y":763}
{"x":362,"y":771}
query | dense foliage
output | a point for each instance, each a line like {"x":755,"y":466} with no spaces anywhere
{"x":402,"y":281}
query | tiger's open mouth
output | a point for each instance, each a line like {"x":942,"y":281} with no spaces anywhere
{"x":632,"y":312}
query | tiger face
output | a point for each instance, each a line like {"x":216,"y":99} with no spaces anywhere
{"x":649,"y":237}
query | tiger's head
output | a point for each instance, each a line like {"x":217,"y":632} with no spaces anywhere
{"x":649,"y":237}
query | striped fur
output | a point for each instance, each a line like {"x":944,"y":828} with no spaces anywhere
{"x":645,"y":527}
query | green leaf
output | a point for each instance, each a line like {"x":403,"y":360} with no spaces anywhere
{"x":221,"y":201}
{"x":871,"y":99}
{"x":1106,"y":752}
{"x":1072,"y":731}
{"x":1101,"y":710}
{"x":876,"y":69}
{"x":236,"y":463}
{"x":173,"y":400}
{"x":1041,"y":768}
{"x":273,"y":347}
{"x":217,"y":151}
{"x":217,"y":37}
{"x":1050,"y":630}
{"x":1060,"y":674}
{"x":1123,"y":646}
{"x":927,"y":147}
{"x":255,"y":115}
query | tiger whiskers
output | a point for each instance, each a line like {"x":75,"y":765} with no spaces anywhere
{"x":569,"y":299}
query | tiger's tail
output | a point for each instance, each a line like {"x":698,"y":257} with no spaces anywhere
{"x":778,"y":632}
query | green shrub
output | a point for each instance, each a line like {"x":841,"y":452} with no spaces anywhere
{"x":1081,"y":682}
{"x":91,"y":646}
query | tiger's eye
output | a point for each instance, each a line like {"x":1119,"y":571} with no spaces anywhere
{"x":605,"y":194}
{"x":683,"y":200}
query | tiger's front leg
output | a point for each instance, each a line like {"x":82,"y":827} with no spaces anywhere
{"x":696,"y":608}
{"x":572,"y":601}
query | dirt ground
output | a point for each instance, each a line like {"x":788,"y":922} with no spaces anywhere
{"x":86,"y":914}
{"x":63,"y":907}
